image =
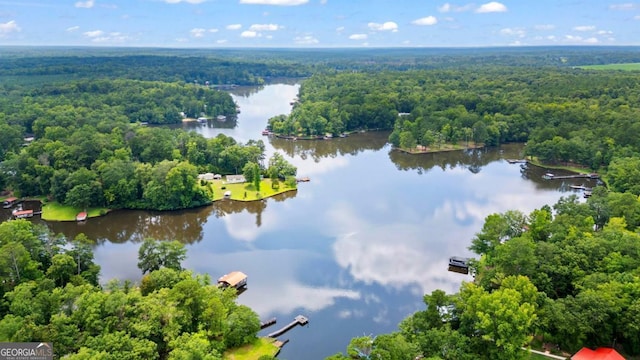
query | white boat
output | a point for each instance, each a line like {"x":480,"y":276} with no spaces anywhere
{"x":227,"y":194}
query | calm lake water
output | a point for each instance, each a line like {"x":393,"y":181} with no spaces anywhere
{"x":354,"y":249}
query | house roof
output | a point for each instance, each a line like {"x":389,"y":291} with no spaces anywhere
{"x":235,"y":178}
{"x":233,"y":278}
{"x":597,"y":354}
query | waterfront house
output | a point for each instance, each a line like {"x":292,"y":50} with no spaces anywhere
{"x":206,"y":176}
{"x":235,"y":179}
{"x":597,"y":354}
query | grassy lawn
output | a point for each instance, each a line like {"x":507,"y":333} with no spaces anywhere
{"x":262,"y":346}
{"x":54,"y":211}
{"x":246,"y":191}
{"x":624,"y":66}
{"x":534,"y":356}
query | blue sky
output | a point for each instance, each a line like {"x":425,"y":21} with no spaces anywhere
{"x":318,"y":23}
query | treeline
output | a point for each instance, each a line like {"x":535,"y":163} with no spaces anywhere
{"x":182,"y":68}
{"x":50,"y":293}
{"x":568,"y":276}
{"x":125,"y":167}
{"x":87,"y":153}
{"x":95,"y":102}
{"x":565,"y":115}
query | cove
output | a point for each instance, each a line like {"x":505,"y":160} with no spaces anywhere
{"x":354,"y":249}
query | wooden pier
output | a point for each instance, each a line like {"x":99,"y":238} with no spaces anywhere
{"x":266,"y":324}
{"x":517,"y":161}
{"x":299,"y":320}
{"x":550,"y":176}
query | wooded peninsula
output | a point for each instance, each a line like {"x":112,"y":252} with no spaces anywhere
{"x":87,"y":128}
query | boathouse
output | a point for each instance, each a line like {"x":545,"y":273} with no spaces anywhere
{"x":22,"y":214}
{"x":459,"y":261}
{"x":9,"y":202}
{"x":236,"y":279}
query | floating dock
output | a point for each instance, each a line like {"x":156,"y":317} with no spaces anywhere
{"x":299,"y":320}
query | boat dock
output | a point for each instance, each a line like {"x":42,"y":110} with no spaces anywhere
{"x":266,"y":324}
{"x":550,"y":176}
{"x":299,"y":320}
{"x":517,"y":161}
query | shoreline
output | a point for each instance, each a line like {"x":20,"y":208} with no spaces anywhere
{"x":68,"y":214}
{"x":428,"y":150}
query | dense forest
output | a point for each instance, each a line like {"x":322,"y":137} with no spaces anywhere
{"x":565,"y":115}
{"x":90,"y":147}
{"x":50,"y":293}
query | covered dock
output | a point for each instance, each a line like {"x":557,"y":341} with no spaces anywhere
{"x":236,"y":279}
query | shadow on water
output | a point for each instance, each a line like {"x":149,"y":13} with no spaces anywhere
{"x":472,"y":159}
{"x":185,"y":226}
{"x":318,"y":149}
{"x":228,"y":207}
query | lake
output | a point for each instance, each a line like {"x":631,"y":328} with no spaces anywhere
{"x":355,"y":248}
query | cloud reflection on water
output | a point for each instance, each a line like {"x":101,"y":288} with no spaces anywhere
{"x":273,"y":287}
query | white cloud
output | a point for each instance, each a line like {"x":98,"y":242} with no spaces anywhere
{"x":305,"y":40}
{"x":85,"y":4}
{"x":544,"y":27}
{"x":591,"y":40}
{"x":213,"y":30}
{"x":340,"y":29}
{"x":624,"y":6}
{"x":358,"y":36}
{"x":519,"y":32}
{"x":323,"y":2}
{"x":637,"y":17}
{"x":99,"y":36}
{"x":8,"y":28}
{"x":197,"y":32}
{"x":275,"y":2}
{"x":387,"y":26}
{"x":186,"y":1}
{"x":234,"y":27}
{"x":604,"y":32}
{"x":94,"y":33}
{"x":221,"y":41}
{"x":249,"y":34}
{"x":428,"y":20}
{"x":491,"y":7}
{"x":264,"y":27}
{"x":72,"y":29}
{"x":584,"y":28}
{"x":447,"y":7}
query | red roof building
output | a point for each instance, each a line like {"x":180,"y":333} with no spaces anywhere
{"x":597,"y":354}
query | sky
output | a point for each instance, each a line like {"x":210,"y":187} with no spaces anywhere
{"x":317,"y":23}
